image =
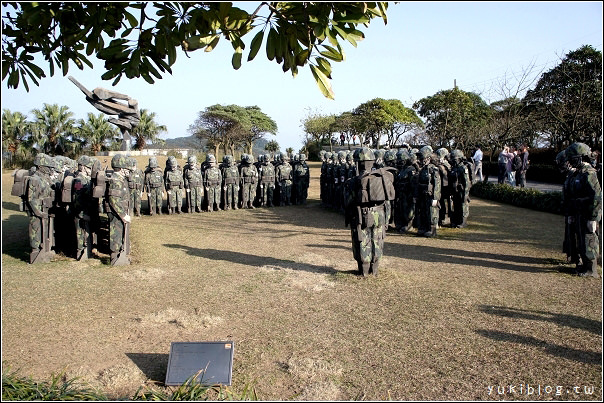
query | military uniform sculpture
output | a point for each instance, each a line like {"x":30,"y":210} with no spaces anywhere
{"x":266,"y":178}
{"x":118,"y":206}
{"x":136,"y":182}
{"x":427,"y":194}
{"x":174,"y":184}
{"x":249,"y":179}
{"x":193,"y":182}
{"x":154,"y":185}
{"x":585,"y":208}
{"x":440,"y":161}
{"x":366,"y":213}
{"x":212,"y":182}
{"x":284,"y":177}
{"x":230,"y":183}
{"x":301,"y":179}
{"x":83,"y":207}
{"x":39,"y":198}
{"x":459,"y":185}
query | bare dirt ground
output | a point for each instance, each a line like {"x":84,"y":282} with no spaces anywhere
{"x":477,"y":313}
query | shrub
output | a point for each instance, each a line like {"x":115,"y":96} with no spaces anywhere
{"x":550,"y":202}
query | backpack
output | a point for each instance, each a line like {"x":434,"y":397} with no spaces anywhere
{"x":516,"y":163}
{"x":376,"y":186}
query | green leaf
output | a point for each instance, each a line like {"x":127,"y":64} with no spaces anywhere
{"x":383,"y":6}
{"x":255,"y":45}
{"x":212,"y":44}
{"x":332,"y":53}
{"x":324,"y":66}
{"x":322,"y":82}
{"x":236,"y":61}
{"x":302,"y":57}
{"x":132,"y":19}
{"x":271,"y":44}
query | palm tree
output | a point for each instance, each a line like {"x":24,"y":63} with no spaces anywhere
{"x":15,"y":132}
{"x":96,"y":132}
{"x":147,"y":130}
{"x":51,"y":124}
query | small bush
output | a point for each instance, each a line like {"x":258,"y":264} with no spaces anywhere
{"x":550,"y":202}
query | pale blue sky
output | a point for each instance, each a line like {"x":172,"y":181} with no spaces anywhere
{"x":424,"y":47}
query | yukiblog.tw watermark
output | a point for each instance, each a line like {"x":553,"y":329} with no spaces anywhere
{"x":526,"y":389}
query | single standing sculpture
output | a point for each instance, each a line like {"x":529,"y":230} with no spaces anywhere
{"x":106,"y":101}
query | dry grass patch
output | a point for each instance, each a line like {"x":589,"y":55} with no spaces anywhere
{"x":180,"y":318}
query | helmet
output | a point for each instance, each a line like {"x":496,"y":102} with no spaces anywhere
{"x":192,"y":160}
{"x":211,"y":159}
{"x":341,"y":155}
{"x":561,"y":157}
{"x":284,"y":157}
{"x":85,"y":161}
{"x":349,"y":157}
{"x":171,"y":162}
{"x":302,"y":157}
{"x":322,"y":154}
{"x":402,"y":155}
{"x":577,"y":150}
{"x":120,"y":161}
{"x":228,"y":159}
{"x":425,"y":152}
{"x":39,"y":158}
{"x":133,"y":163}
{"x":379,"y":154}
{"x":153,"y":162}
{"x":296,"y":157}
{"x":442,"y":153}
{"x":390,"y":155}
{"x":365,"y":154}
{"x":328,"y":155}
{"x":46,"y":161}
{"x":456,"y":155}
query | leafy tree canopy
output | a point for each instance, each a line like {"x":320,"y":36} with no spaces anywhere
{"x":140,"y":39}
{"x":567,"y":100}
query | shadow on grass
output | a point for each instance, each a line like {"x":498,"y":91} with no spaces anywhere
{"x":252,"y":260}
{"x":467,"y":258}
{"x":577,"y":322}
{"x":10,"y":206}
{"x":153,"y":365}
{"x":15,"y":236}
{"x":586,"y":357}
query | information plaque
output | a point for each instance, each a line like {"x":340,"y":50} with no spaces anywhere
{"x":212,"y":361}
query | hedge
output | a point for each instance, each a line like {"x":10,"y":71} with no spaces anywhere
{"x":536,"y":172}
{"x":550,"y":202}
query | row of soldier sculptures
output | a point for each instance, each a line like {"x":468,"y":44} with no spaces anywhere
{"x":430,"y":186}
{"x":230,"y":185}
{"x":65,"y":199}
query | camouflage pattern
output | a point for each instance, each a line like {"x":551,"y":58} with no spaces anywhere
{"x":406,"y":182}
{"x":39,"y":201}
{"x":136,"y":182}
{"x":585,"y":208}
{"x":230,"y":183}
{"x":284,"y":176}
{"x":193,"y":182}
{"x":427,"y":194}
{"x":118,"y":201}
{"x":174,"y":184}
{"x":212,"y":182}
{"x":154,"y":185}
{"x":266,"y":178}
{"x":460,"y":184}
{"x":301,"y":179}
{"x":323,"y":178}
{"x":249,"y":178}
{"x":83,"y":206}
{"x":445,"y":195}
{"x":367,"y":221}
